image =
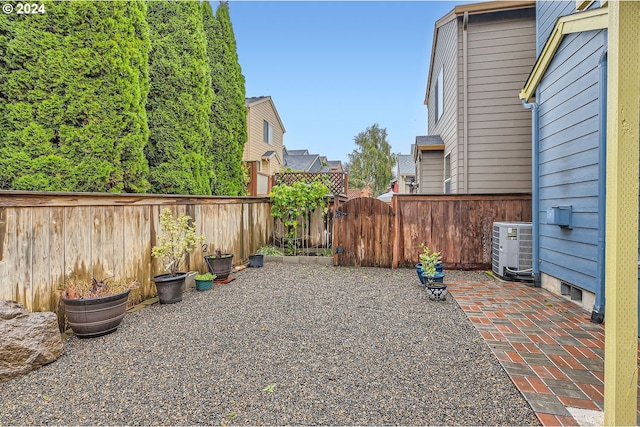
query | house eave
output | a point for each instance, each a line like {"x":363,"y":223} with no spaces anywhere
{"x":596,"y":19}
{"x":432,"y":147}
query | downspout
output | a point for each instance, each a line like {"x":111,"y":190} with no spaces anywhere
{"x":465,"y":104}
{"x":535,"y":190}
{"x":597,"y":315}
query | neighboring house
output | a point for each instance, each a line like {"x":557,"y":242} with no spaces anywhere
{"x":333,"y":166}
{"x":353,"y":193}
{"x":567,"y":92}
{"x":263,"y":151}
{"x":478,"y":132}
{"x":405,"y":173}
{"x":301,"y":160}
{"x":429,"y":165}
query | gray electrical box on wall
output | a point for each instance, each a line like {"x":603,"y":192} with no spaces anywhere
{"x":512,"y":247}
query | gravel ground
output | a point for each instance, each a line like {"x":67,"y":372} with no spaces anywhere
{"x":281,"y":345}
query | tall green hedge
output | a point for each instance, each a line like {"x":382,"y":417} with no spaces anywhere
{"x":73,"y":84}
{"x":228,"y":117}
{"x":179,"y":99}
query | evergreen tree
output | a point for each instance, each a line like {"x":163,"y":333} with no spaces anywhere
{"x":74,"y":85}
{"x":179,"y":99}
{"x":373,"y":162}
{"x":228,"y":111}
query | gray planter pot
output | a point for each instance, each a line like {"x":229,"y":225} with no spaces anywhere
{"x":170,"y":288}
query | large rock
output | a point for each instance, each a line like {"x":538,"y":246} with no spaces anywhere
{"x":27,"y":340}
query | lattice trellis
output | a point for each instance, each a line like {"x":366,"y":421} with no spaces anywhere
{"x":333,"y":180}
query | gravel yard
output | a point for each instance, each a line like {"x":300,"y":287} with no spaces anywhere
{"x":283,"y":344}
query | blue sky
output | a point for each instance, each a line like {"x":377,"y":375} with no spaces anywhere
{"x":333,"y":68}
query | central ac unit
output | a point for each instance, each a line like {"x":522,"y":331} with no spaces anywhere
{"x":512,"y":250}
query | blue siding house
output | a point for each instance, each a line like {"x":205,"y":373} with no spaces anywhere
{"x":566,"y":92}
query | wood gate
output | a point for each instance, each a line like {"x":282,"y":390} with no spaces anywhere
{"x":363,"y":233}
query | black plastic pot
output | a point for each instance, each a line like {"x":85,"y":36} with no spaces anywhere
{"x":170,"y":288}
{"x":256,"y":260}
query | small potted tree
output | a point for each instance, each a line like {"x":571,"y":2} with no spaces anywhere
{"x":176,"y":239}
{"x":97,"y":307}
{"x":425,"y":255}
{"x":432,"y":278}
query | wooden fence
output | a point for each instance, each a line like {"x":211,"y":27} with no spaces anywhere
{"x":46,"y":237}
{"x":460,"y":226}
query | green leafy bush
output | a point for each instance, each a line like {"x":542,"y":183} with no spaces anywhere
{"x":228,"y":116}
{"x":290,"y":202}
{"x":429,"y":260}
{"x":269,"y":251}
{"x":205,"y":276}
{"x":179,"y":99}
{"x":73,"y":84}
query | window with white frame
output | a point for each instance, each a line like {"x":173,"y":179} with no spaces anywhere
{"x":447,"y":174}
{"x":439,"y":94}
{"x":267,"y":132}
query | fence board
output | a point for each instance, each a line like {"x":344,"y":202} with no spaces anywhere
{"x":460,"y":226}
{"x":40,"y":262}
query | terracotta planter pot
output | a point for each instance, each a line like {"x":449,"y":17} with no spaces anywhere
{"x":94,"y":317}
{"x":170,"y":288}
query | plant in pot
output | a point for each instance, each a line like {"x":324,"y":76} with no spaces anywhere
{"x":97,"y":307}
{"x":431,"y":277}
{"x":219,"y":264}
{"x":204,"y":282}
{"x":257,"y":259}
{"x":425,"y":255}
{"x":176,"y":239}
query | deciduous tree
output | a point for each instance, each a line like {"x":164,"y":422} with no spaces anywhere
{"x":372,"y":161}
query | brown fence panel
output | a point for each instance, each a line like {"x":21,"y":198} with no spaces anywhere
{"x":45,"y":237}
{"x":363,"y":233}
{"x":459,"y":226}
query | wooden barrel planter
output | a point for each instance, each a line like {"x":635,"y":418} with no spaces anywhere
{"x":220,"y":265}
{"x":93,"y":317}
